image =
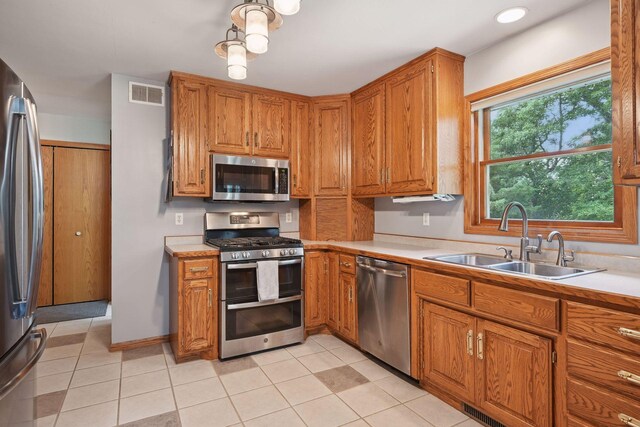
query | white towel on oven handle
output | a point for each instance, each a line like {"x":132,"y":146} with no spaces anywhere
{"x":268,"y":282}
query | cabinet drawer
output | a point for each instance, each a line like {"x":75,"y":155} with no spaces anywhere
{"x":600,"y":325}
{"x":195,"y":268}
{"x":348,"y":264}
{"x":523,"y":307}
{"x":616,"y":371}
{"x":598,"y":406}
{"x":440,"y":287}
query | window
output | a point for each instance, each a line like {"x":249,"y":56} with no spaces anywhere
{"x":547,"y":143}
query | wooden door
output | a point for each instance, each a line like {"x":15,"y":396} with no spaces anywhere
{"x":315,"y":270}
{"x":197,"y":314}
{"x":447,"y":349}
{"x":409,"y":134}
{"x":45,"y":290}
{"x":369,"y":173}
{"x":270,"y":126}
{"x":81,"y":225}
{"x":190,"y":153}
{"x":301,"y":149}
{"x":348,"y":307}
{"x":228,"y":121}
{"x":625,"y":73}
{"x":333,"y":291}
{"x":513,"y":369}
{"x":331,"y":146}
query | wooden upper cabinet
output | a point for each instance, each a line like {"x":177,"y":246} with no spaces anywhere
{"x":409,"y":153}
{"x":331,"y":145}
{"x":368,"y":149}
{"x":301,"y":176}
{"x":514,"y":380}
{"x":229,"y":120}
{"x":625,"y":72}
{"x":447,"y":346}
{"x":270,"y":126}
{"x":190,"y":154}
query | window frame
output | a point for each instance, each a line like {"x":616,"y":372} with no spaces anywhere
{"x":623,"y":229}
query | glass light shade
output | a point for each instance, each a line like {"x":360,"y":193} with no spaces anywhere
{"x":237,"y":62}
{"x":257,"y":31}
{"x":511,"y":15}
{"x":287,"y":7}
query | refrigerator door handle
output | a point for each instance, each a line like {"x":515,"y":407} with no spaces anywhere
{"x":37,"y":227}
{"x":41,"y":334}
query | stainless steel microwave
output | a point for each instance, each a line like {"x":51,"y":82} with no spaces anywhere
{"x":249,"y":179}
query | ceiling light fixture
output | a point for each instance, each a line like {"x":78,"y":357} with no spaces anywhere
{"x":234,"y":50}
{"x":257,"y":18}
{"x":287,"y":7}
{"x":510,"y":15}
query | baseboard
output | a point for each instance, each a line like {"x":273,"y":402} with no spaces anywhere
{"x":130,"y":345}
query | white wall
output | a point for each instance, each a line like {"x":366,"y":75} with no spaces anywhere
{"x":74,"y":128}
{"x":568,"y":36}
{"x":141,"y":219}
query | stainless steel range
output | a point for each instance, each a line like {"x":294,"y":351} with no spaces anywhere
{"x":250,"y":244}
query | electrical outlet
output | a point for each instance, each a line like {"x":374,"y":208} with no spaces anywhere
{"x":288,"y":217}
{"x":179,"y":219}
{"x":425,"y":219}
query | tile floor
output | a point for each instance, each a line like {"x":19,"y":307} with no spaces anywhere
{"x":323,"y":382}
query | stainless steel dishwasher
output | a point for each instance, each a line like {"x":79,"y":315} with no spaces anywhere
{"x":383,"y":311}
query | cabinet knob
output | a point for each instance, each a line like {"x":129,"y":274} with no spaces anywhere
{"x":78,"y":233}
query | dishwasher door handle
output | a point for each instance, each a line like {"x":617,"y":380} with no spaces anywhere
{"x":384,"y":271}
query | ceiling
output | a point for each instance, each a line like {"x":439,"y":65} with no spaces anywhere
{"x":66,"y":49}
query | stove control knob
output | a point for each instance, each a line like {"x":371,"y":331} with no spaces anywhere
{"x":246,"y":254}
{"x":235,"y":255}
{"x":265,"y":254}
{"x":292,"y":251}
{"x":283,"y":252}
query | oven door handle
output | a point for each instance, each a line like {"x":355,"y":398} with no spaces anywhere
{"x":263,"y":303}
{"x":250,"y":265}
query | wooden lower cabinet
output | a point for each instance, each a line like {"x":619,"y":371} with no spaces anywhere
{"x":333,"y":291}
{"x":348,"y":321}
{"x":504,"y":372}
{"x":315,"y":278}
{"x":194,"y":308}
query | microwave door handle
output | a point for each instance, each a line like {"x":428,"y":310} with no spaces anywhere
{"x":37,"y":225}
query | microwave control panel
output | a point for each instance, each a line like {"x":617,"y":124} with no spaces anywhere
{"x":283,"y":181}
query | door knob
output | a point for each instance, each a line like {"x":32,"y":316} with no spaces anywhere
{"x":78,"y":233}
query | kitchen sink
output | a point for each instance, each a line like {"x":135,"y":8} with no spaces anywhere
{"x":534,"y":269}
{"x":470,"y":259}
{"x":546,"y":271}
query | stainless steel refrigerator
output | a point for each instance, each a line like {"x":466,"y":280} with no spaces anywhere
{"x":21,"y":233}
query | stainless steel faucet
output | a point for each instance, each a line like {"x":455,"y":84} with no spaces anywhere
{"x":525,"y":248}
{"x":562,"y":257}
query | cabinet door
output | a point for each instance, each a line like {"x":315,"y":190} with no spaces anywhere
{"x":331,"y":145}
{"x":197,"y":314}
{"x":190,"y":154}
{"x":514,"y":375}
{"x":625,"y":66}
{"x":228,"y":120}
{"x":270,"y":126}
{"x":369,"y":173}
{"x":333,"y":291}
{"x":447,"y":349}
{"x":314,"y":285}
{"x":348,"y":307}
{"x":409,"y":130}
{"x":301,"y":149}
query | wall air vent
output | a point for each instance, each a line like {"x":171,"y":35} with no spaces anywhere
{"x":141,"y":93}
{"x":481,"y":417}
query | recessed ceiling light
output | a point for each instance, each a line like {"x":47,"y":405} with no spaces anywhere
{"x":510,"y":15}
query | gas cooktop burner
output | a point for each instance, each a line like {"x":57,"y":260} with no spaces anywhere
{"x":239,"y":243}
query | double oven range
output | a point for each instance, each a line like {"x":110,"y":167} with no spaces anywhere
{"x":247,"y":324}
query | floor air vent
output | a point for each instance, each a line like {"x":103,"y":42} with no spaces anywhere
{"x":141,"y":93}
{"x":483,"y":418}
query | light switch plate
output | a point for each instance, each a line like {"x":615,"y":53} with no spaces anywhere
{"x":179,"y":219}
{"x":426,"y":219}
{"x":288,"y":217}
